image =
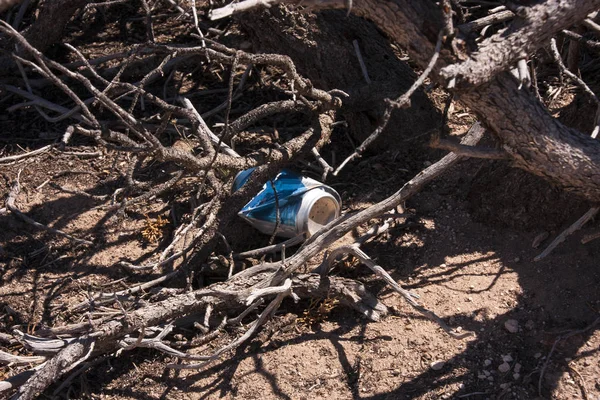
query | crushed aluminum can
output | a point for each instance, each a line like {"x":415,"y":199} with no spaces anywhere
{"x":305,"y":205}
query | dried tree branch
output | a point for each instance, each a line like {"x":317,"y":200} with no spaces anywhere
{"x":262,"y":318}
{"x":15,"y":361}
{"x":536,"y":141}
{"x":592,"y":236}
{"x":567,"y":232}
{"x":28,"y":154}
{"x":468,"y":151}
{"x":563,"y":69}
{"x":532,"y":28}
{"x":575,"y":36}
{"x":269,"y":249}
{"x":409,"y":297}
{"x":53,"y":369}
{"x":400,"y":102}
{"x":492,"y":19}
{"x":133,"y":134}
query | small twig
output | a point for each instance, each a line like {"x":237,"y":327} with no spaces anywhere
{"x":67,"y":382}
{"x":157,"y":344}
{"x":380,"y":272}
{"x":361,"y":61}
{"x":149,"y":26}
{"x":201,"y":210}
{"x":251,"y":331}
{"x":398,"y":103}
{"x":468,"y":151}
{"x":569,"y":74}
{"x":104,"y":298}
{"x":265,"y":110}
{"x":258,"y":293}
{"x":130,"y":346}
{"x":85,"y":154}
{"x":559,"y":339}
{"x":596,"y":130}
{"x":179,"y":234}
{"x":41,"y":102}
{"x":492,"y":19}
{"x":377,"y":230}
{"x":207,"y":314}
{"x":575,"y":36}
{"x":229,"y":255}
{"x":177,"y":7}
{"x":204,"y":129}
{"x":72,"y":191}
{"x":448,"y":110}
{"x":326,"y":167}
{"x":523,"y":71}
{"x":269,"y":249}
{"x":195,"y":15}
{"x":44,"y":69}
{"x":26,"y":155}
{"x":591,"y":213}
{"x":15,"y":361}
{"x":236,"y":8}
{"x":588,"y":23}
{"x":237,"y":320}
{"x":590,"y":237}
{"x":106,"y":3}
{"x":534,"y":82}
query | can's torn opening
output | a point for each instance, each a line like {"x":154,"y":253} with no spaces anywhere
{"x":322,"y":211}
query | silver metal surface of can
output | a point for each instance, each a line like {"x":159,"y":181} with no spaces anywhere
{"x":305,"y":205}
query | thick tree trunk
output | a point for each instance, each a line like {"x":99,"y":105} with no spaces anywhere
{"x":52,"y":19}
{"x":537,"y":142}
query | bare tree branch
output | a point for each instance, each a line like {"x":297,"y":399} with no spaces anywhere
{"x":534,"y":26}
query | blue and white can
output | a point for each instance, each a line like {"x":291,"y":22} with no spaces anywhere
{"x":305,"y":205}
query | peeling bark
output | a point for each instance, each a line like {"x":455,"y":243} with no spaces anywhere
{"x":532,"y":29}
{"x":60,"y":364}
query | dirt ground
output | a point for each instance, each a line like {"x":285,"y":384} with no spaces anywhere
{"x":468,"y":253}
{"x":475,"y":274}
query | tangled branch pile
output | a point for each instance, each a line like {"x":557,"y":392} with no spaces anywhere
{"x":139,"y":104}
